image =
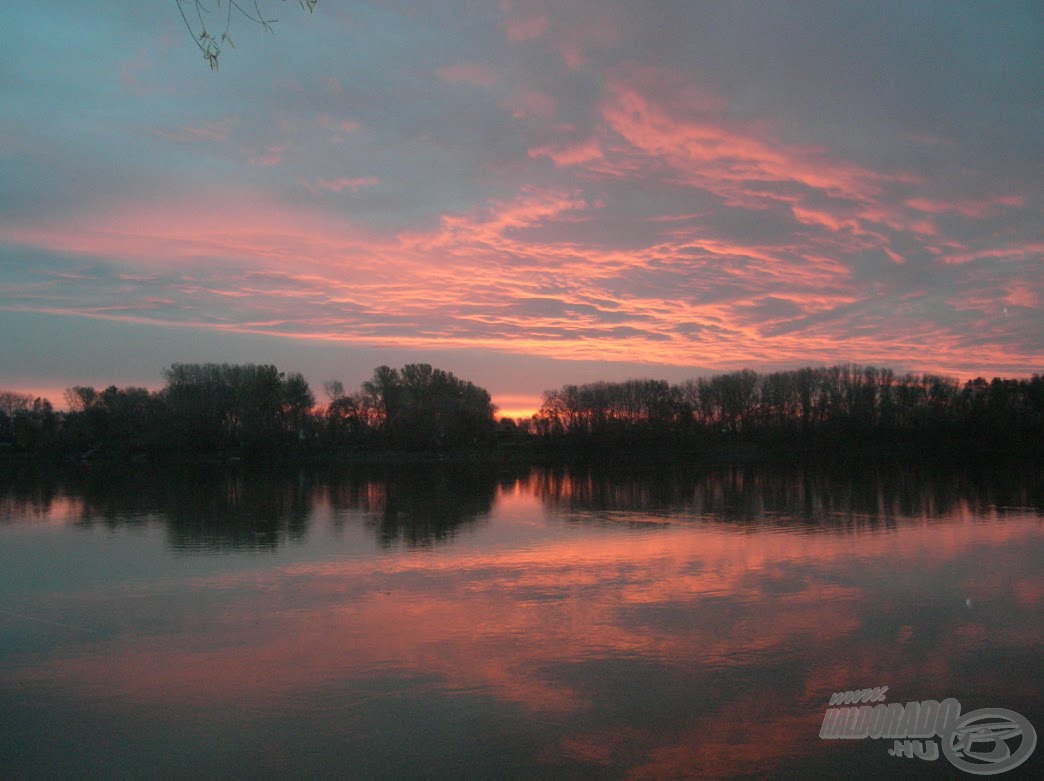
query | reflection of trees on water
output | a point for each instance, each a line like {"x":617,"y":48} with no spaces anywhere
{"x":424,"y":505}
{"x":239,"y":511}
{"x":230,"y":509}
{"x":202,"y":509}
{"x":420,"y":505}
{"x":840,"y":498}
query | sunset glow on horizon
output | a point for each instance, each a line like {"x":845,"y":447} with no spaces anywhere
{"x":527,"y":194}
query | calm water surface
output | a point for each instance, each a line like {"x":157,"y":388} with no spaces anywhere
{"x":452,"y":622}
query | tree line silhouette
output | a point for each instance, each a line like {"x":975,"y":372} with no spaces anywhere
{"x":814,"y":407}
{"x":235,"y":411}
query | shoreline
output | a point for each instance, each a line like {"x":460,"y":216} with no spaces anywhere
{"x":540,"y":454}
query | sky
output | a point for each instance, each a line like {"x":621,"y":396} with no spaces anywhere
{"x":527,"y":194}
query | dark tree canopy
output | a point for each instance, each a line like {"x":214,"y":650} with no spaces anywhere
{"x":207,"y":411}
{"x":420,"y":407}
{"x":236,"y":405}
{"x":828,"y":407}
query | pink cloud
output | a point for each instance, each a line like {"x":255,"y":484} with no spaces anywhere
{"x":895,"y":257}
{"x":967,"y":208}
{"x":271,"y":156}
{"x":474,"y":73}
{"x":1022,"y":295}
{"x":563,"y":156}
{"x":240,"y":227}
{"x":720,"y":156}
{"x":531,"y":104}
{"x":1015,"y":252}
{"x":527,"y":275}
{"x":132,"y":70}
{"x":205,"y":132}
{"x":825,"y":219}
{"x":523,"y":21}
{"x":347,"y":183}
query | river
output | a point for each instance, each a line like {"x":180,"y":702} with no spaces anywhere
{"x":456,"y":622}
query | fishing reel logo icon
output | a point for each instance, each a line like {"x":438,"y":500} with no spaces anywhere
{"x":989,"y":741}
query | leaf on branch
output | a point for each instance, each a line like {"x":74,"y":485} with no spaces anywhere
{"x":206,"y":42}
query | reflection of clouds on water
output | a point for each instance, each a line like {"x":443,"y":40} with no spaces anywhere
{"x":689,"y":628}
{"x":675,"y":648}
